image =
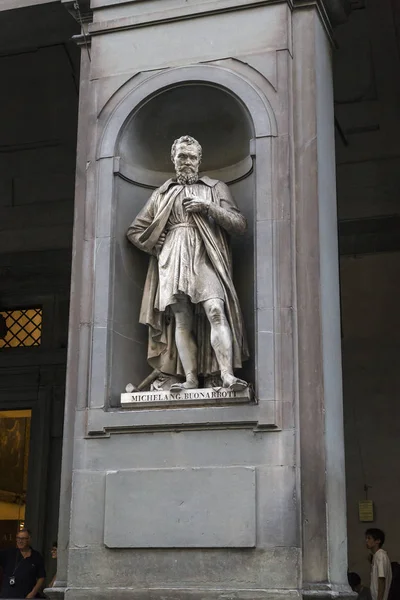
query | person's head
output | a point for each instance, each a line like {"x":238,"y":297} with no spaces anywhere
{"x":23,"y":538}
{"x":374,"y":539}
{"x":53,"y":550}
{"x":354,"y":581}
{"x":186,"y":155}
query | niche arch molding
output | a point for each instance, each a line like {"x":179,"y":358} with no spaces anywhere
{"x":104,"y":417}
{"x":128,"y":97}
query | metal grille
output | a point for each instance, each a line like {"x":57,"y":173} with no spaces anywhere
{"x":20,"y":327}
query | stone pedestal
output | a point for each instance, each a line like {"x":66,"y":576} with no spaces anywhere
{"x":207,"y":498}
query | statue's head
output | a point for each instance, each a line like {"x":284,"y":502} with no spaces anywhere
{"x":186,"y":156}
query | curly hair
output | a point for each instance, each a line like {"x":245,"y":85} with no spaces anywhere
{"x":190,"y":141}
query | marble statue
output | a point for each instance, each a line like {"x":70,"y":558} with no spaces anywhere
{"x":189,"y":302}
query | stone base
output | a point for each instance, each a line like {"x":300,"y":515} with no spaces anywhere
{"x":179,"y":594}
{"x":311,"y":593}
{"x":55,"y":593}
{"x":328,"y":592}
{"x":197,"y":397}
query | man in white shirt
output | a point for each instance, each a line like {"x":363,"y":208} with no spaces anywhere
{"x":381,"y":570}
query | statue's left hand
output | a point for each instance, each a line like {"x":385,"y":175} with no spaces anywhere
{"x":160,"y":243}
{"x":194,"y":204}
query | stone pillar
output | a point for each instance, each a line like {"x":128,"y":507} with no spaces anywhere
{"x":321,"y":440}
{"x":78,"y":337}
{"x":219,"y":500}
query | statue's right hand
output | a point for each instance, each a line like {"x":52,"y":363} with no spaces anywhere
{"x":160,"y":242}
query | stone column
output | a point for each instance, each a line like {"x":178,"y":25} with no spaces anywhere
{"x":217,"y":500}
{"x":323,"y":500}
{"x":78,"y":336}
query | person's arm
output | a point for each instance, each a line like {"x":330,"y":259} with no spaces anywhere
{"x":381,"y":587}
{"x":40,"y":576}
{"x":231,"y":221}
{"x":36,"y":589}
{"x":226,"y":214}
{"x":141,"y":223}
{"x":379,"y":557}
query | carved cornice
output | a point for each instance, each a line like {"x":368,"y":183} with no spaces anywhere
{"x":333,"y":12}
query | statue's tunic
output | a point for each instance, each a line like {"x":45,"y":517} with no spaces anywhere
{"x":195,"y":260}
{"x":183,"y":264}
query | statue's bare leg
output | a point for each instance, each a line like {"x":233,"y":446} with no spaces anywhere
{"x":185,"y":343}
{"x":221,"y":341}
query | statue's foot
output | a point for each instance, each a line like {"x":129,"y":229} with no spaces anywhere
{"x":189,"y":384}
{"x":233,"y":383}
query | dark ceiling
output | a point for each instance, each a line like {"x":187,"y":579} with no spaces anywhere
{"x":25,"y":29}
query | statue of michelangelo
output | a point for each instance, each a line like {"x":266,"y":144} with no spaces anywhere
{"x":189,"y":301}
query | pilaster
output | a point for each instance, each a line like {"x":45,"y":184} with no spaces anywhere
{"x":321,"y":442}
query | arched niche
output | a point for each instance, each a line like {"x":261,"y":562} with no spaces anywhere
{"x":234,"y":122}
{"x":212,"y":115}
{"x":114,"y":116}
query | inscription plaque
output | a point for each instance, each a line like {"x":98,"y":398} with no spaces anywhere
{"x":211,"y":396}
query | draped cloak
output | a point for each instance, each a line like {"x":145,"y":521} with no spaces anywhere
{"x":144,"y":233}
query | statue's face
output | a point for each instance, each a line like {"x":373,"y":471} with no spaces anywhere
{"x":186,"y":161}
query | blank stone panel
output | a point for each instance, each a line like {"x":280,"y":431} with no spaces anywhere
{"x":181,"y":508}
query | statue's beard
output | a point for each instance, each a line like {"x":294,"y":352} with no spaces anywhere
{"x":187,"y":176}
